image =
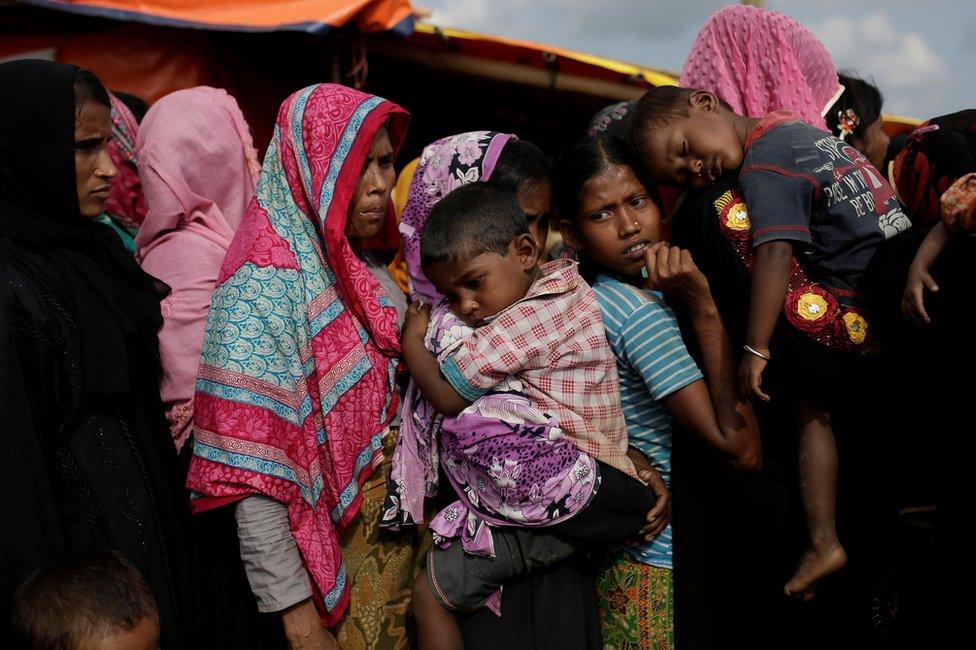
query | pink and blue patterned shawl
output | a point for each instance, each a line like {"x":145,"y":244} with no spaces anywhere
{"x":296,"y":387}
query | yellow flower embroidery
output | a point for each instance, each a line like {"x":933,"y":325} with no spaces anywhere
{"x":738,"y":217}
{"x":811,"y":307}
{"x":856,"y":326}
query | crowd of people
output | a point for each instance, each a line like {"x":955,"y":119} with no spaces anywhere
{"x":310,"y":402}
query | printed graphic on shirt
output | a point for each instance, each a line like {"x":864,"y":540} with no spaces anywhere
{"x":823,"y":196}
{"x":860,"y":184}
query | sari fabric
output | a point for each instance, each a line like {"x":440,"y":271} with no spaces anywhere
{"x":199,"y":168}
{"x":296,"y":385}
{"x":760,"y":61}
{"x":126,"y":202}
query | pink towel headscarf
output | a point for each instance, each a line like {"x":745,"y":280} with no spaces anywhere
{"x":198,"y":168}
{"x":760,"y":61}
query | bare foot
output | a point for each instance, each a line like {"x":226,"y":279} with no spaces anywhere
{"x":813,"y":567}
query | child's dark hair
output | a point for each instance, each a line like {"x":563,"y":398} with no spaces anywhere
{"x":585,"y":159}
{"x":88,"y":596}
{"x":471,"y":220}
{"x":862,"y":98}
{"x":89,"y":89}
{"x":661,"y":105}
{"x":520,"y":162}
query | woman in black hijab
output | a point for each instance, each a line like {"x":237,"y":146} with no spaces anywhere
{"x":85,"y":457}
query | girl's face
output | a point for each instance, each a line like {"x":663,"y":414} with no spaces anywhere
{"x":367,"y":210}
{"x":94,"y":169}
{"x":535,"y":199}
{"x":615,"y":222}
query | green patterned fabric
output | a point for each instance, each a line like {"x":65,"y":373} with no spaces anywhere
{"x":636,"y":606}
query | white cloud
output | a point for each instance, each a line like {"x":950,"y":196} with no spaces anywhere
{"x":872,"y":46}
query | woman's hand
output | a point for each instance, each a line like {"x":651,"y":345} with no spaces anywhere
{"x":416,"y":320}
{"x":913,"y":300}
{"x":919,"y":276}
{"x":303,"y":628}
{"x":672,"y":270}
{"x":750,"y":374}
{"x":660,"y":515}
{"x":958,"y":204}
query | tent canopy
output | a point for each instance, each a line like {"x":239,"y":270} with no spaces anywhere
{"x":315,"y":16}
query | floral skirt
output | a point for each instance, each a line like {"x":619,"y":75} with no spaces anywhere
{"x":382,"y":566}
{"x":636,"y":605}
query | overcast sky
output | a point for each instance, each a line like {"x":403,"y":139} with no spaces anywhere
{"x":921,"y":53}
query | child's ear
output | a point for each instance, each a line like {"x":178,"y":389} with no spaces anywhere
{"x":527,"y":250}
{"x":704,"y":100}
{"x":570,"y":234}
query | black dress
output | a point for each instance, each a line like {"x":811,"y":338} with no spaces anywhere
{"x":86,"y":460}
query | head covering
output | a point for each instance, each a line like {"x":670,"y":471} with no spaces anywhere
{"x":296,"y":385}
{"x":199,"y":168}
{"x":398,"y":267}
{"x":614,"y":120}
{"x":938,"y":153}
{"x":444,"y":165}
{"x":43,"y":227}
{"x":759,"y":61}
{"x":125,"y":202}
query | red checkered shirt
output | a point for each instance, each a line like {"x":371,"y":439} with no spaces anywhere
{"x":554,"y":342}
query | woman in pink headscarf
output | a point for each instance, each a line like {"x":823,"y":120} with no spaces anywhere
{"x":760,"y":61}
{"x":757,"y":62}
{"x":198,"y":168}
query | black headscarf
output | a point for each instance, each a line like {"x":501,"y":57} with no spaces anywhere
{"x":84,"y":264}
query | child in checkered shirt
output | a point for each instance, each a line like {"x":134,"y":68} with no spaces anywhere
{"x":531,"y":372}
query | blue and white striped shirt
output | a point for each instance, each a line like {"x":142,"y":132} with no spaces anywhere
{"x":653,"y":363}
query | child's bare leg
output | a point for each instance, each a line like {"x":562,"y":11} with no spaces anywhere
{"x":437,"y":629}
{"x":818,"y":490}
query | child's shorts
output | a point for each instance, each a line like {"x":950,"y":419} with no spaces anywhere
{"x":460,"y":581}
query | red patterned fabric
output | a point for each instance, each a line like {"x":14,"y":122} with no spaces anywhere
{"x":125,"y":200}
{"x":296,"y":387}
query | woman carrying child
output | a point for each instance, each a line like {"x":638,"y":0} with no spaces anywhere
{"x":445,"y":165}
{"x":611,"y":217}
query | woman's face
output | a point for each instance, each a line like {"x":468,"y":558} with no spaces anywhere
{"x":94,"y":169}
{"x":535,"y":199}
{"x":615,"y":222}
{"x":367,"y":210}
{"x":874,"y":144}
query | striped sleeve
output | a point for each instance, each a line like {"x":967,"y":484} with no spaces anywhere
{"x":652,"y":344}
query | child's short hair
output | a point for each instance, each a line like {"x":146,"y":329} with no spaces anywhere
{"x":471,"y":220}
{"x":86,"y":597}
{"x":660,"y":106}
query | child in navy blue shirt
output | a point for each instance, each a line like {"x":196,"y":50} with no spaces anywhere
{"x":817,"y":212}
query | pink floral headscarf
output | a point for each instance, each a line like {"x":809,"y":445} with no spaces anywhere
{"x":199,"y":168}
{"x":444,"y":165}
{"x":760,"y":61}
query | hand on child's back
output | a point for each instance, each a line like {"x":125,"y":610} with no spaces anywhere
{"x":671,"y":270}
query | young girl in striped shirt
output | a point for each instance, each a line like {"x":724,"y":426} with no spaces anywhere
{"x":612,"y":219}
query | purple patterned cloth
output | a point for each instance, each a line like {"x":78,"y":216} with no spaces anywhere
{"x":509,"y":463}
{"x":444,"y":165}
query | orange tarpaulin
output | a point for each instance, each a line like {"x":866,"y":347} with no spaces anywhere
{"x":249,"y":15}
